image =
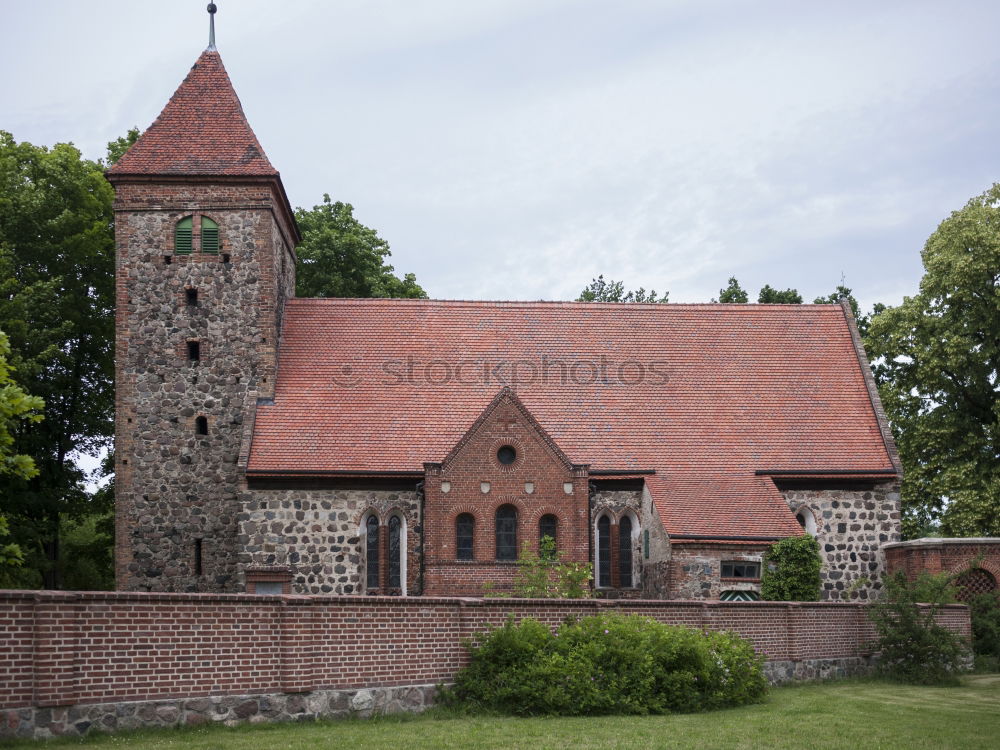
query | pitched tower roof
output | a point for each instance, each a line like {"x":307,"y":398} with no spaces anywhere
{"x":201,"y":131}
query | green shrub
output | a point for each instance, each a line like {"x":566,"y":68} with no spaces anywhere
{"x":914,"y":647}
{"x":985,"y":612}
{"x":548,"y":575}
{"x":606,"y":664}
{"x":791,"y":570}
{"x":985,"y":664}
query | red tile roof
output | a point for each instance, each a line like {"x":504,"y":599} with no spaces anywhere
{"x":201,"y":131}
{"x":704,"y":394}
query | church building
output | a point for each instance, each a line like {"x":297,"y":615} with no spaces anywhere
{"x":267,"y":443}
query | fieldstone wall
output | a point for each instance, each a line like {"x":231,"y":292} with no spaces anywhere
{"x":696,"y":570}
{"x":852,"y":525}
{"x":73,"y":721}
{"x":177,"y":491}
{"x":317,"y":535}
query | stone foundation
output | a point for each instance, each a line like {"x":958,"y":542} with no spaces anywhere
{"x":809,"y":670}
{"x":43,"y":723}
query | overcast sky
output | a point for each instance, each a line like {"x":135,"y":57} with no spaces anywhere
{"x":514,"y":150}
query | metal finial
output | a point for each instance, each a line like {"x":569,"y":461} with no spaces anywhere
{"x":211,"y":25}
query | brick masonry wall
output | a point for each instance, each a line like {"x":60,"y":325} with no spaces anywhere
{"x":852,"y":524}
{"x":176,"y":489}
{"x":954,"y":555}
{"x":457,"y":485}
{"x":129,"y":649}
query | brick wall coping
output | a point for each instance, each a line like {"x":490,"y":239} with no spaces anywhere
{"x":139,"y":597}
{"x":944,"y":541}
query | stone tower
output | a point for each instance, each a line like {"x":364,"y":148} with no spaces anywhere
{"x":205,"y":241}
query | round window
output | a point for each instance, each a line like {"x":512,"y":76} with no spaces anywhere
{"x":506,"y":455}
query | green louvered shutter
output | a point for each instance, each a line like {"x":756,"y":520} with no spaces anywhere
{"x":209,"y":235}
{"x":182,"y":236}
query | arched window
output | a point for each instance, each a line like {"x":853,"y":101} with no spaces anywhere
{"x":603,"y":551}
{"x":625,"y":552}
{"x":506,"y":532}
{"x":465,"y":526}
{"x":183,"y":240}
{"x":806,"y":520}
{"x":394,"y":580}
{"x":209,"y":235}
{"x":371,"y":553}
{"x":547,"y":527}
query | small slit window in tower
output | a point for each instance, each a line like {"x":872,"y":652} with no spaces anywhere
{"x":183,"y":240}
{"x":197,"y":557}
{"x":194,"y":351}
{"x":201,"y":425}
{"x":209,"y":236}
{"x":191,"y":296}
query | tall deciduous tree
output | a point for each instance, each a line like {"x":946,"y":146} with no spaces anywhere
{"x":16,"y":408}
{"x":56,"y":305}
{"x":770,"y":295}
{"x":599,"y":290}
{"x":733,"y":292}
{"x":938,"y":370}
{"x":341,"y":257}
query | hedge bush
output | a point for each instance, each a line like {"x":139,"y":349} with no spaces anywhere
{"x":914,"y":647}
{"x":606,"y":664}
{"x":985,"y":612}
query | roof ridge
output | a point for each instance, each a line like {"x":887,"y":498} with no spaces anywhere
{"x":556,"y":303}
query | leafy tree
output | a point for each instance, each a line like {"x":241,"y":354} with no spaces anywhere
{"x":118,"y":147}
{"x":15,"y":406}
{"x":791,"y":570}
{"x":770,"y":295}
{"x":937,"y":362}
{"x":843,"y":292}
{"x":341,"y":257}
{"x":57,"y":307}
{"x":733,"y":292}
{"x":600,"y":290}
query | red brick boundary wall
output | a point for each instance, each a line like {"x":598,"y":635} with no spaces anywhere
{"x":977,"y":557}
{"x":72,"y":662}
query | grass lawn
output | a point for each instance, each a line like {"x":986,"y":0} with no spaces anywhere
{"x":852,"y":714}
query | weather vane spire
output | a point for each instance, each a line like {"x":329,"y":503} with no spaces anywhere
{"x":211,"y":25}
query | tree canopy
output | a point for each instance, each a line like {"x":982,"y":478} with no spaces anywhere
{"x":770,"y":295}
{"x":733,"y":292}
{"x":16,"y":407}
{"x":57,"y":307}
{"x":938,"y":358}
{"x":600,"y":290}
{"x":341,"y":257}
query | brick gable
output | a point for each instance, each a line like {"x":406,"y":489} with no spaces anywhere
{"x":539,"y":481}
